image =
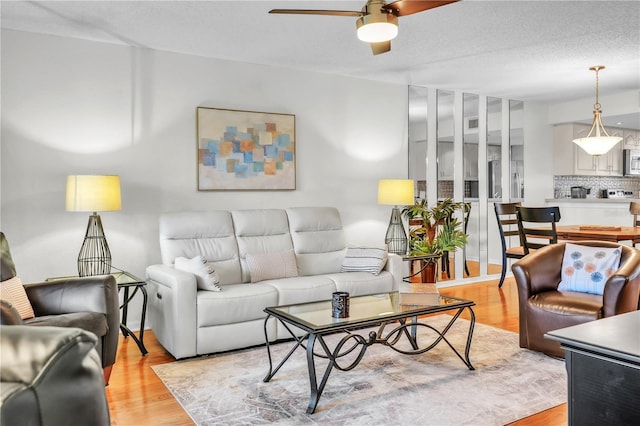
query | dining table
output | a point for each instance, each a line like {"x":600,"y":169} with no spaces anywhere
{"x":598,"y":232}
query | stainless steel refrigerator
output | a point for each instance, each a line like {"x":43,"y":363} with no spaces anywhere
{"x":495,"y":179}
{"x":517,"y":182}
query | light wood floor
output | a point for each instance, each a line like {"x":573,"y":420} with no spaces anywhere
{"x":137,"y":397}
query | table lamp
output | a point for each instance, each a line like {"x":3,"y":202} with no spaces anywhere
{"x":396,"y":192}
{"x":93,"y":193}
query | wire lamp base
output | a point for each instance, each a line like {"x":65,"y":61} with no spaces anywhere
{"x":94,"y":257}
{"x":396,"y":238}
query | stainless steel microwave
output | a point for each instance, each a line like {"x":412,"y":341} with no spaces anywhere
{"x":631,"y":159}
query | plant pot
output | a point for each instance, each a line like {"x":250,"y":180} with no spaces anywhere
{"x":429,"y":273}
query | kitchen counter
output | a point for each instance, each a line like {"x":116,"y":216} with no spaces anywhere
{"x":624,"y":201}
{"x":593,"y":211}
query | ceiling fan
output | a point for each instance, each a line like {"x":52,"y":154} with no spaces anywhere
{"x":377,"y":22}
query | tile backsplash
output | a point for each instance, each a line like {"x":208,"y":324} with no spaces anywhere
{"x":562,"y":185}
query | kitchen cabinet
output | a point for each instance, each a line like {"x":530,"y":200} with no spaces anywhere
{"x":631,"y":139}
{"x":445,"y":160}
{"x":570,"y":159}
{"x":494,"y":152}
{"x":470,"y":161}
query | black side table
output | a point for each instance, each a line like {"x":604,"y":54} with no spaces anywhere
{"x":126,"y":281}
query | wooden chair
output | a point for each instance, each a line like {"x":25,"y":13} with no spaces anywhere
{"x":634,"y":209}
{"x":532,"y":235}
{"x":508,"y":227}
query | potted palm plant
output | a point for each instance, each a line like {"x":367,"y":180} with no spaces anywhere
{"x":434,"y":231}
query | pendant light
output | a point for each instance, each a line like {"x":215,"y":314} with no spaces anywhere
{"x":598,"y":141}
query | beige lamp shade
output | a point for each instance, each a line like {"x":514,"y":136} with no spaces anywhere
{"x":396,"y":192}
{"x":93,"y":193}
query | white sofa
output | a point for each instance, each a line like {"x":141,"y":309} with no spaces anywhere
{"x":190,"y":322}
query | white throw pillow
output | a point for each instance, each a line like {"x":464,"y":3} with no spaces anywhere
{"x":271,"y":266}
{"x":586,"y":269}
{"x":364,"y":259}
{"x":206,"y":276}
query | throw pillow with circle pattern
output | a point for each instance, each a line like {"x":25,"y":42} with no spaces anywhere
{"x":586,"y":269}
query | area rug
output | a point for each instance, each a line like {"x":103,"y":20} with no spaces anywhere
{"x":386,"y":388}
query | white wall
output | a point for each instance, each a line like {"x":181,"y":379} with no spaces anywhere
{"x":617,"y":104}
{"x":80,"y":107}
{"x":538,"y":155}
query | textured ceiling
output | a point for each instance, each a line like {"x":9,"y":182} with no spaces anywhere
{"x":526,"y":50}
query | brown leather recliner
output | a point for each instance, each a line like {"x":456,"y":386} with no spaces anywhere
{"x":89,"y":303}
{"x":543,"y":308}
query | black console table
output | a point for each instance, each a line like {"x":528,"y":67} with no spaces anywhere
{"x":603,"y":366}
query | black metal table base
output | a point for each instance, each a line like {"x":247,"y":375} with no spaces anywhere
{"x":126,"y":331}
{"x":352,"y":342}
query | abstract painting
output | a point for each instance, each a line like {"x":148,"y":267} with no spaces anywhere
{"x":245,"y":150}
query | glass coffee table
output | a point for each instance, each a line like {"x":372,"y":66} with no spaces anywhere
{"x":397,"y":329}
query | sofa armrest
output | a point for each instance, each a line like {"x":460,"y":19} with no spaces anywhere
{"x":539,"y":271}
{"x":622,"y":290}
{"x":394,"y":266}
{"x":173,"y":309}
{"x":88,"y":294}
{"x":51,"y":373}
{"x":8,"y":314}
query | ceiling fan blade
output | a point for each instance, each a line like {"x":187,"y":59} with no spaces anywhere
{"x":408,"y":7}
{"x":317,"y":12}
{"x":380,"y":47}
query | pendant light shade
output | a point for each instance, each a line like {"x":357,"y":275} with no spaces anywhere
{"x":598,"y":141}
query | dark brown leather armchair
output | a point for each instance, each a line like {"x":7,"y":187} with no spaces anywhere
{"x":89,"y":303}
{"x":543,"y":308}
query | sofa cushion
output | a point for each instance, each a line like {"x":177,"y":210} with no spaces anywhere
{"x":268,"y":266}
{"x":13,"y":292}
{"x":206,"y":277}
{"x":586,"y":269}
{"x":258,"y":232}
{"x":236,"y":303}
{"x":318,"y":239}
{"x":302,"y":289}
{"x":364,"y":259}
{"x":362,"y":283}
{"x":209,"y":234}
{"x":94,"y":322}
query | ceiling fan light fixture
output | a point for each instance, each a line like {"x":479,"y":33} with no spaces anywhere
{"x":597,"y":141}
{"x":375,"y":28}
